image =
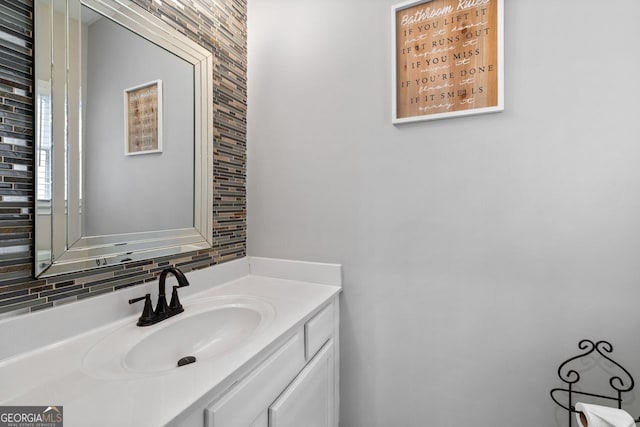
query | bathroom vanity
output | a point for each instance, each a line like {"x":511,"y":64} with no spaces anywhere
{"x":293,"y":386}
{"x":263,"y":333}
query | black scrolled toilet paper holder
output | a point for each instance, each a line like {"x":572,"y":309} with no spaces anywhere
{"x":620,"y":383}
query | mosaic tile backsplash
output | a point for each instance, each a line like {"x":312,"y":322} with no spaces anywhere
{"x":219,"y":27}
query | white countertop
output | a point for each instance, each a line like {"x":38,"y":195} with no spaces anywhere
{"x":54,"y":374}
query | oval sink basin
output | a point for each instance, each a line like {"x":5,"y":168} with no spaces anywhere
{"x":201,"y":335}
{"x":206,"y":329}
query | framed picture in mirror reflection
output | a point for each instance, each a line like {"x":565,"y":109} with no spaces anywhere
{"x":143,"y":119}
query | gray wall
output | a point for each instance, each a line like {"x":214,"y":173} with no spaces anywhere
{"x":477,"y":251}
{"x":141,"y":192}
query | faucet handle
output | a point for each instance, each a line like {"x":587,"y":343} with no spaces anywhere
{"x":174,"y":305}
{"x":135,"y":300}
{"x":147,"y":317}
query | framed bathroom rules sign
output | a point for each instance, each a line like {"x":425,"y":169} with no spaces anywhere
{"x":447,"y":59}
{"x":143,"y":119}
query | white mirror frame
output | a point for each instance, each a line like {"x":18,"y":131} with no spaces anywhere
{"x":60,"y":246}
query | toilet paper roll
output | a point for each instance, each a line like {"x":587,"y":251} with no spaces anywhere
{"x":602,"y":416}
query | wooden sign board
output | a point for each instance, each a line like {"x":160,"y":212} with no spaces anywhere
{"x":448,"y":59}
{"x":143,"y":118}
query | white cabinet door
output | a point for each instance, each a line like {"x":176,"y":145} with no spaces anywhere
{"x":243,"y":404}
{"x":262,"y":420}
{"x":309,"y":399}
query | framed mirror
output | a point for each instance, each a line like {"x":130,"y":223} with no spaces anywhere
{"x":123,"y":111}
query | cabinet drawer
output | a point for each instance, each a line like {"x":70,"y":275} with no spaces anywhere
{"x":317,"y":331}
{"x":242,"y":405}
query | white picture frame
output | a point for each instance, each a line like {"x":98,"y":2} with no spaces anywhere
{"x":436,"y":46}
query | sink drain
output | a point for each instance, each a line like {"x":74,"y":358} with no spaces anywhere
{"x":187,"y":360}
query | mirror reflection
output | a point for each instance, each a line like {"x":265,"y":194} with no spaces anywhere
{"x":152,"y":190}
